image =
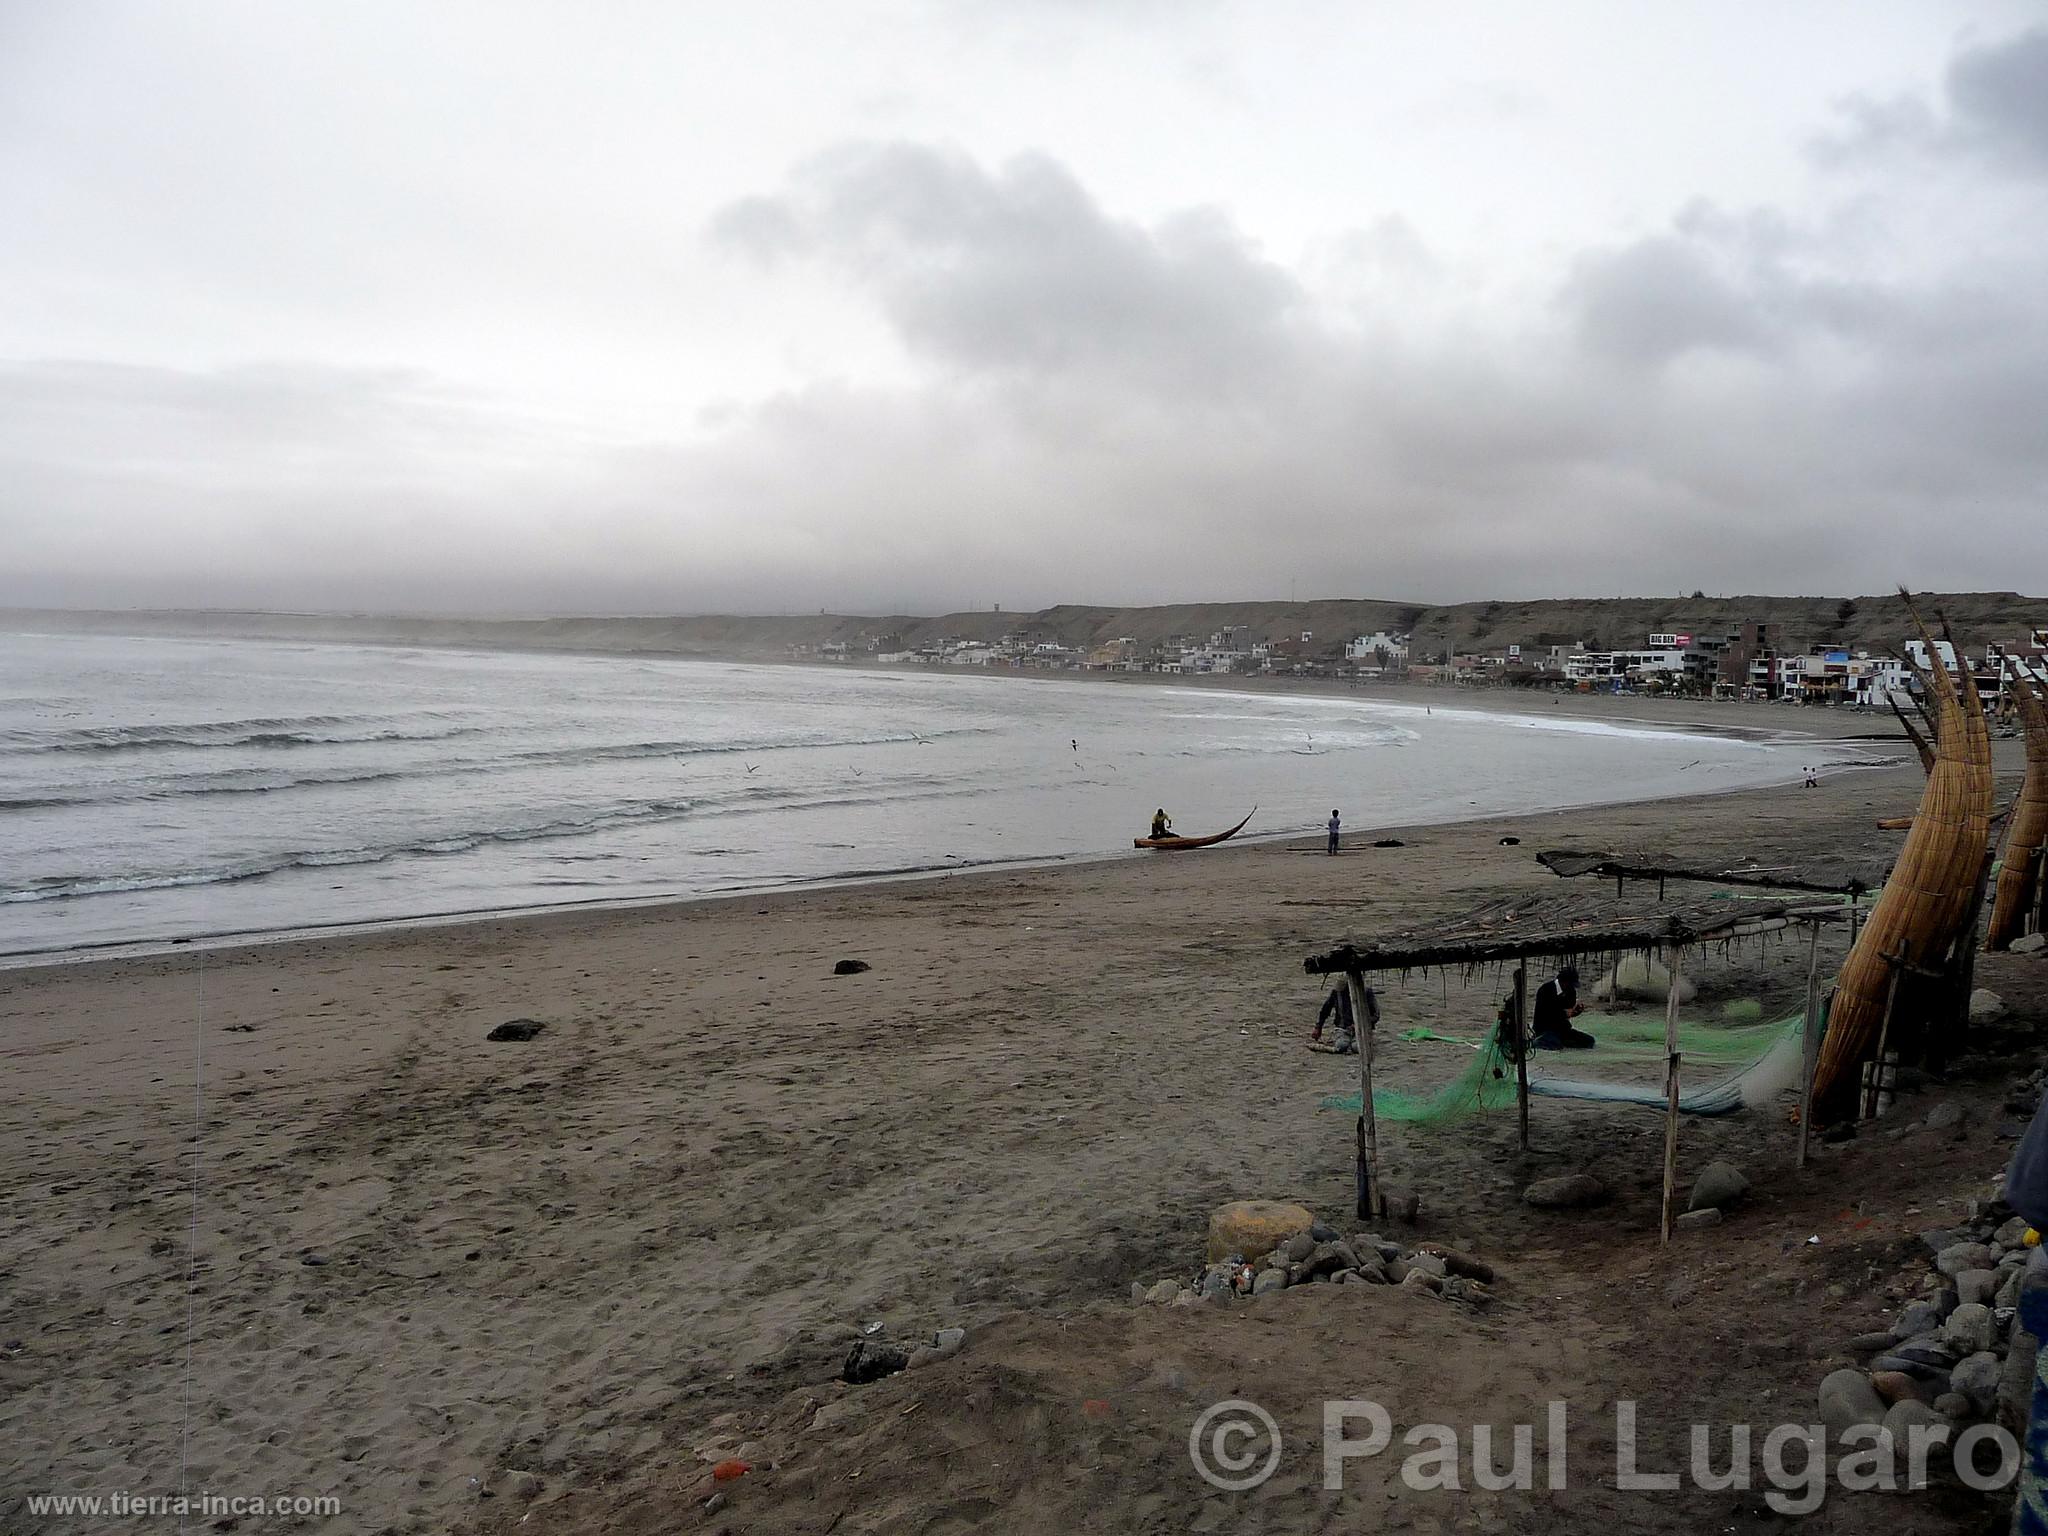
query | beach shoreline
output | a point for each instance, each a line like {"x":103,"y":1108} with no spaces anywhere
{"x":598,"y":1255}
{"x":1779,"y":725}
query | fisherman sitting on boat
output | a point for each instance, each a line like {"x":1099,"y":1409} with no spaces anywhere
{"x":1162,"y":824}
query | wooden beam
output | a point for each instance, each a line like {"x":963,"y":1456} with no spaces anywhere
{"x":1809,"y":1054}
{"x":1362,"y":1032}
{"x":1671,"y":1088}
{"x":1522,"y":1050}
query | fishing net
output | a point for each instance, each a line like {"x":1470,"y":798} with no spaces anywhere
{"x":1766,"y":1058}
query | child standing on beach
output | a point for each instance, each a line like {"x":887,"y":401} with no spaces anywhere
{"x":1336,"y":825}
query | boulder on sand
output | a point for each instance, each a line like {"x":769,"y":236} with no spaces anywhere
{"x":1985,"y":1005}
{"x":1847,"y":1399}
{"x":1719,"y":1186}
{"x":1251,"y":1229}
{"x":1565,"y":1192}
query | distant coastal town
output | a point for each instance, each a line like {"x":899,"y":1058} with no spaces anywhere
{"x":1751,"y":663}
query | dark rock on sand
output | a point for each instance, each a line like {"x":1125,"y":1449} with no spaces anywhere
{"x":516,"y":1029}
{"x":849,"y":967}
{"x":871,"y":1360}
{"x":1567,"y":1192}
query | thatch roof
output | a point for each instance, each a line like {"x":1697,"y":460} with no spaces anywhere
{"x":1837,"y":878}
{"x":1570,"y":927}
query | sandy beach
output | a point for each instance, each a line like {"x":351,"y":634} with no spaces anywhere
{"x":544,"y":1285}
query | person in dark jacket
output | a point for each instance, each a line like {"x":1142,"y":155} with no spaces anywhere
{"x":1555,"y":1005}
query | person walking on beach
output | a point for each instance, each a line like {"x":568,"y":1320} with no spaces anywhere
{"x":1556,"y":1005}
{"x":1336,"y":826}
{"x":1812,"y":779}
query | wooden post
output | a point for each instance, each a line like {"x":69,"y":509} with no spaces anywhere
{"x":1361,"y":1023}
{"x":1809,"y":1055}
{"x":1671,"y":1090}
{"x":1884,"y":1033}
{"x":1855,"y":916}
{"x":1522,"y":1048}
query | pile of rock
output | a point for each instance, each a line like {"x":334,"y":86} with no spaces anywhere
{"x":1257,"y":1248}
{"x":1956,"y":1355}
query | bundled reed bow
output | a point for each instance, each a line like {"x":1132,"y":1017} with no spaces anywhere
{"x":1933,"y":887}
{"x":2018,"y":881}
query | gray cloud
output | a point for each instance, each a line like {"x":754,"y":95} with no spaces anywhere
{"x":1019,"y":382}
{"x":1019,"y":269}
{"x":1996,"y":100}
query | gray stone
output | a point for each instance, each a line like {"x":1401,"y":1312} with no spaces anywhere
{"x":1957,"y":1257}
{"x":1978,"y":1285}
{"x":1719,"y":1186}
{"x":1864,"y":1343}
{"x":1900,"y":1418}
{"x":1457,"y":1262}
{"x":1397,"y":1271}
{"x":1372,"y":1272}
{"x":1163,"y":1292}
{"x":1566,"y":1192}
{"x":1429,"y":1264}
{"x":1946,"y":1116}
{"x":1985,"y":1004}
{"x":1416,"y":1280}
{"x":1388,"y":1251}
{"x":1847,"y":1399}
{"x":1952,"y":1405}
{"x":2011,"y":1234}
{"x":1323,"y":1232}
{"x":1976,"y":1377}
{"x":2030,"y":944}
{"x":1298,"y":1247}
{"x":2009,"y":1293}
{"x":1347,"y":1256}
{"x":1694,"y":1221}
{"x":948,"y":1340}
{"x":1938,"y":1238}
{"x":1215,"y":1287}
{"x":1971,"y":1327}
{"x":1137,"y":1292}
{"x":517,"y":1029}
{"x":1269,"y":1281}
{"x":520,"y":1487}
{"x":1916,"y":1318}
{"x":1465,"y":1289}
{"x":921,"y":1357}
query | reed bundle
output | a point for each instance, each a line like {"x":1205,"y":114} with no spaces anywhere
{"x":1933,"y":886}
{"x":2017,"y":881}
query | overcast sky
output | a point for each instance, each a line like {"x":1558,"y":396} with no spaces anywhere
{"x":898,"y":305}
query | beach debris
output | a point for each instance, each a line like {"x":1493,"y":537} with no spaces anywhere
{"x":871,"y":1360}
{"x":731,"y":1469}
{"x":516,"y":1029}
{"x":1565,"y":1192}
{"x":850,"y":967}
{"x":1390,"y":842}
{"x":1719,"y":1185}
{"x":1510,"y":842}
{"x":1251,"y":1229}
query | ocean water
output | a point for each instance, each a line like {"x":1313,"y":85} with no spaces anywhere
{"x":153,"y":789}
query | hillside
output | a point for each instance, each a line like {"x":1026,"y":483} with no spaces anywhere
{"x":1875,"y":623}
